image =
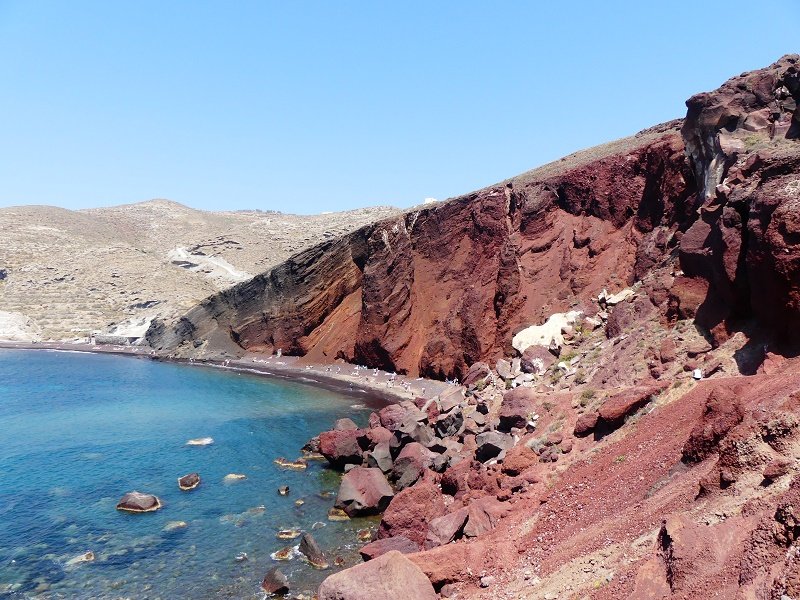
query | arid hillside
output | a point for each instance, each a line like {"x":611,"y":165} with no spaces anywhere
{"x":64,"y":274}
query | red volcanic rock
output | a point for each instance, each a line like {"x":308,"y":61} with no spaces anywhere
{"x":398,"y":543}
{"x":410,"y":464}
{"x":626,"y":314}
{"x":586,"y":423}
{"x":721,"y":414}
{"x":536,"y":359}
{"x":390,"y":576}
{"x":363,"y":491}
{"x":667,"y":351}
{"x":376,"y":435}
{"x":443,"y":530}
{"x":454,"y":479}
{"x":478,"y":373}
{"x":483,"y":515}
{"x":692,"y":551}
{"x":518,"y":459}
{"x":517,"y":407}
{"x":620,"y":406}
{"x":341,"y":447}
{"x":777,"y":468}
{"x":410,"y":511}
{"x":395,"y":415}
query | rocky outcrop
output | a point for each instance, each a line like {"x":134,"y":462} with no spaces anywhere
{"x":741,"y":255}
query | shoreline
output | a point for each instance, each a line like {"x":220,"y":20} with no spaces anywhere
{"x":338,"y":377}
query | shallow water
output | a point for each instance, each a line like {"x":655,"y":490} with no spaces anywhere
{"x":77,"y":431}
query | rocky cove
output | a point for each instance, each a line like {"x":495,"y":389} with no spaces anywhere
{"x":624,"y":325}
{"x":618,"y":333}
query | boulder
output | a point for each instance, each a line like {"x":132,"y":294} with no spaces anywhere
{"x":310,"y":549}
{"x":275,"y":582}
{"x":723,"y":411}
{"x":380,"y":457}
{"x":518,"y":459}
{"x":344,"y":425}
{"x":374,"y":436}
{"x":777,"y":468}
{"x":479,"y":373}
{"x":443,"y":530}
{"x":483,"y":515}
{"x":189,"y":482}
{"x":618,"y":407}
{"x":411,"y":510}
{"x":340,"y":447}
{"x":503,"y":368}
{"x":410,"y":464}
{"x":586,"y":423}
{"x":137,"y":502}
{"x":517,"y":408}
{"x":491,"y":444}
{"x":450,"y":424}
{"x":390,"y":576}
{"x":364,"y":491}
{"x":394,"y":415}
{"x":398,"y":543}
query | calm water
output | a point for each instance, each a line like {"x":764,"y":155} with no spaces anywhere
{"x":77,"y":431}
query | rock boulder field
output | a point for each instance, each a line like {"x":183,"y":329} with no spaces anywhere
{"x":624,"y":322}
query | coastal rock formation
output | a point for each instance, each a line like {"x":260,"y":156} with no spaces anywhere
{"x":137,"y":502}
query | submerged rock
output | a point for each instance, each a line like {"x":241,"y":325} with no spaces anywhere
{"x":293,"y":465}
{"x":137,"y":502}
{"x":288,"y":534}
{"x":81,"y":558}
{"x":204,"y":441}
{"x":175,"y":526}
{"x":234,"y":477}
{"x":189,"y":482}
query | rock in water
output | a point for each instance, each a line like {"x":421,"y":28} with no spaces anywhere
{"x":189,"y":482}
{"x":311,"y":550}
{"x":275,"y":582}
{"x":205,"y":441}
{"x":137,"y":502}
{"x":364,"y":491}
{"x":234,"y":477}
{"x":390,"y":576}
{"x":81,"y":558}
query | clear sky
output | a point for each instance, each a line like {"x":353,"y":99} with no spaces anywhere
{"x":313,"y":106}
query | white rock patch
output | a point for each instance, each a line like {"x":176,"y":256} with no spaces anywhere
{"x":544,"y":335}
{"x":16,"y":327}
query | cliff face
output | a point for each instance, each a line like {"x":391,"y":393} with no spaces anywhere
{"x":741,"y":256}
{"x":439,"y":288}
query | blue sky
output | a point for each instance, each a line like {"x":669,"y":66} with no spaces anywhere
{"x":313,"y":106}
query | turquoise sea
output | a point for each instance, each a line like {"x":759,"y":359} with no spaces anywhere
{"x":77,"y":431}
